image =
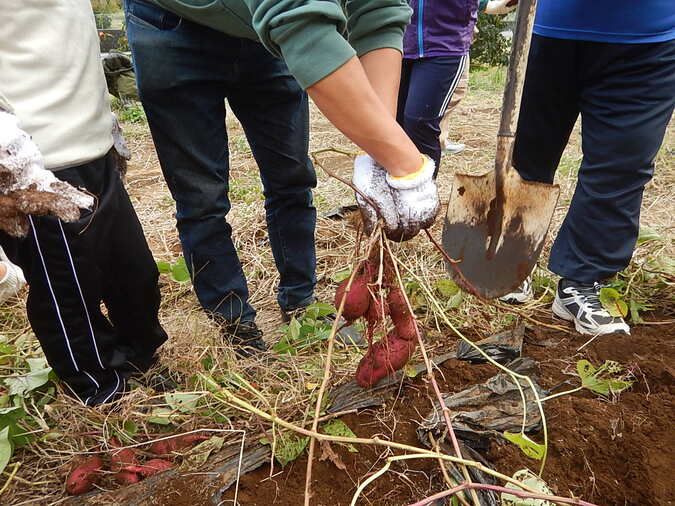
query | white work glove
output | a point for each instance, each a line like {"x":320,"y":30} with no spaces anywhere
{"x":12,"y":281}
{"x":27,"y":186}
{"x":497,"y":7}
{"x":407,"y":205}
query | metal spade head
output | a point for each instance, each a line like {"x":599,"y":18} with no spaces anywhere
{"x":472,"y":225}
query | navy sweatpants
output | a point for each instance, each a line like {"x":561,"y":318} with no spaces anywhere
{"x":625,"y":94}
{"x":427,"y":85}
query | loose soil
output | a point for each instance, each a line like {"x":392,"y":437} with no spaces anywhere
{"x":610,"y":452}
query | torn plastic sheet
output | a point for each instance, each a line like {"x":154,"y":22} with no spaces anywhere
{"x":486,"y":410}
{"x":501,"y":347}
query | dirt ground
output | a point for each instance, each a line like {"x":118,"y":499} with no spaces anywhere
{"x":611,"y":452}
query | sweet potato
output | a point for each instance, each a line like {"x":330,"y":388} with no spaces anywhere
{"x":168,"y":446}
{"x":151,"y":467}
{"x":389,"y":354}
{"x":398,"y":309}
{"x":357,"y":299}
{"x":82,"y":479}
{"x":127,"y":477}
{"x":120,"y":458}
{"x":406,"y":328}
{"x":377,"y":310}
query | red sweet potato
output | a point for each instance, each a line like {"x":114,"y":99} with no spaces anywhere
{"x":398,"y":309}
{"x":127,"y":477}
{"x":389,"y":354}
{"x":406,"y":328}
{"x":168,"y":446}
{"x":377,"y":310}
{"x":120,"y":458}
{"x":151,"y":467}
{"x":82,"y":479}
{"x":357,"y":299}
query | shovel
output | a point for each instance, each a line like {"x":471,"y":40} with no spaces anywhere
{"x":496,"y":223}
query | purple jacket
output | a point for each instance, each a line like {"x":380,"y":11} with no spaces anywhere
{"x":440,"y":28}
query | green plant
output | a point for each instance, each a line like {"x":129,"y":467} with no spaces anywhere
{"x":132,"y":113}
{"x":490,"y":47}
{"x":103,"y":21}
{"x":306,"y":331}
{"x":177,"y":270}
{"x":31,"y":387}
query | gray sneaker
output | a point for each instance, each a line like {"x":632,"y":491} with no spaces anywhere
{"x":453,"y":147}
{"x":520,"y":295}
{"x":580,"y":303}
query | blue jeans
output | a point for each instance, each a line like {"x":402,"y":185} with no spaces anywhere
{"x":184,"y":73}
{"x":625,"y":94}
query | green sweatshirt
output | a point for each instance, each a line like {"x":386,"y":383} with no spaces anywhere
{"x":307,"y":34}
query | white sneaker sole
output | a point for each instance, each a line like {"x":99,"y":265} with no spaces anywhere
{"x":563,"y":313}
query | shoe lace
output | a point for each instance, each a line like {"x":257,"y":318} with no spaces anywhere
{"x":591,"y":297}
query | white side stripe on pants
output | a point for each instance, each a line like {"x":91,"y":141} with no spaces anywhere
{"x":453,"y":85}
{"x":79,"y":288}
{"x":51,"y":290}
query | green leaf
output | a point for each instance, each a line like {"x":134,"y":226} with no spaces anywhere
{"x":163,"y":267}
{"x":530,"y":448}
{"x":340,"y":276}
{"x":181,"y":401}
{"x":208,"y":362}
{"x":6,"y":448}
{"x":611,"y":300}
{"x":294,"y":329}
{"x":532,"y":481}
{"x":647,"y":234}
{"x":197,"y":456}
{"x":289,"y":447}
{"x":161,"y":416}
{"x":179,"y":271}
{"x":338,"y":428}
{"x":320,"y":310}
{"x":130,"y":427}
{"x":635,"y":308}
{"x":446,"y":288}
{"x":38,"y":376}
{"x":603,"y":380}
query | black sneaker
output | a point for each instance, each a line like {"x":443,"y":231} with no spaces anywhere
{"x":153,"y":375}
{"x":347,"y":335}
{"x":245,"y":338}
{"x":580,"y":303}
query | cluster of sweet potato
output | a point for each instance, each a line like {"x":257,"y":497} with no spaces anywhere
{"x":375,"y":295}
{"x":125,"y":463}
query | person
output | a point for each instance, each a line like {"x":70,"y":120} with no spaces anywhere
{"x":492,"y":7}
{"x":613,"y":63}
{"x":435,"y":62}
{"x":261,"y":57}
{"x":54,"y":86}
{"x":12,"y":279}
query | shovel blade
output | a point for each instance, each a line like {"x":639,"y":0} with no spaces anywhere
{"x":528,"y":209}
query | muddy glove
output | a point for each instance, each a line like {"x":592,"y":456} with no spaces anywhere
{"x":416,"y":199}
{"x":12,"y":281}
{"x":26,"y":186}
{"x":497,"y":7}
{"x":407,"y":204}
{"x":371,"y":180}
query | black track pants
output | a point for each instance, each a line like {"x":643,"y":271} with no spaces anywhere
{"x":72,"y":268}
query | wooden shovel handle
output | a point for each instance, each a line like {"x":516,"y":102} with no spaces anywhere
{"x":513,"y":89}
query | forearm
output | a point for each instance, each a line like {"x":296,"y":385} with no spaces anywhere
{"x":348,"y":100}
{"x":383,"y":69}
